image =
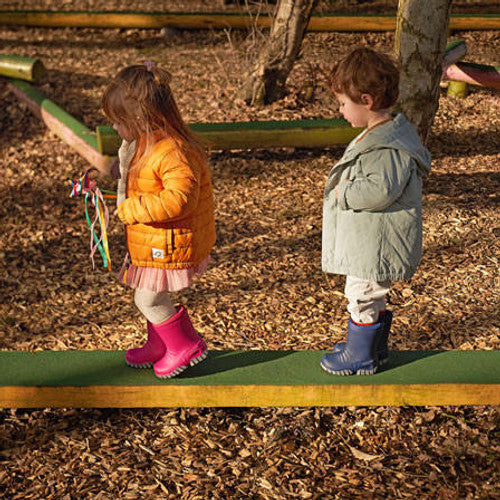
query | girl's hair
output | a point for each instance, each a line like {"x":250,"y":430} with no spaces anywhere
{"x":139,"y":97}
{"x":365,"y":71}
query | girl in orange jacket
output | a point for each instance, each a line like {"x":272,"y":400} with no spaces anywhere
{"x":165,"y":200}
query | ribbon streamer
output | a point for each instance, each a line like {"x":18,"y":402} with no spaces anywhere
{"x":87,"y":187}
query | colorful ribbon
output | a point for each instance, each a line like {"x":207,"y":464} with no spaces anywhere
{"x":88,"y":187}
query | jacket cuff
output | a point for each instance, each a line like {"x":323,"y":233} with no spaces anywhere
{"x":121,"y":212}
{"x":341,"y":196}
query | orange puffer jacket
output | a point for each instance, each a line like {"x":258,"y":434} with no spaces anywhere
{"x":169,"y":209}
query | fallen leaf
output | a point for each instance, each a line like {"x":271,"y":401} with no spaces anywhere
{"x":362,"y":455}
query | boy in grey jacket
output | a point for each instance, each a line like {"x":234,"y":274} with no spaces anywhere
{"x":372,"y":211}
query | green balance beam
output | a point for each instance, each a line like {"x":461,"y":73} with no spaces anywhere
{"x":97,"y":147}
{"x":68,"y":128}
{"x":98,"y":379}
{"x":200,"y":20}
{"x":250,"y":135}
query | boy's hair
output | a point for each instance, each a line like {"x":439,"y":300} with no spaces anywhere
{"x":139,"y":97}
{"x":365,"y":71}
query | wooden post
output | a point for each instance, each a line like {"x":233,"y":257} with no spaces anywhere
{"x":457,"y":89}
{"x":25,"y":68}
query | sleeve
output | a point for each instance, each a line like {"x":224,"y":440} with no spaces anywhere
{"x":179,"y":196}
{"x":385,"y":175}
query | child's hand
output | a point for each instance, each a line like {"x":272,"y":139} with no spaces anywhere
{"x":92,"y":173}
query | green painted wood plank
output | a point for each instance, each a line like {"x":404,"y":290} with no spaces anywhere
{"x":265,"y":134}
{"x":57,"y":112}
{"x":86,"y":368}
{"x":65,"y":126}
{"x":108,"y":141}
{"x":269,"y":125}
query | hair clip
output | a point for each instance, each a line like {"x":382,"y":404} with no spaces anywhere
{"x":149,"y":65}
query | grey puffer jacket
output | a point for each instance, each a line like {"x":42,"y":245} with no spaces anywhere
{"x":373,"y":230}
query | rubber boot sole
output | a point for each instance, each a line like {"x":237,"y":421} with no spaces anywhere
{"x":181,"y":368}
{"x":141,"y":365}
{"x":360,"y":371}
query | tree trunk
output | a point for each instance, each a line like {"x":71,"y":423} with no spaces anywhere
{"x":266,"y":82}
{"x":422,"y":27}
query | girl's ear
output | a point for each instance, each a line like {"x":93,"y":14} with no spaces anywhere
{"x":367,"y":100}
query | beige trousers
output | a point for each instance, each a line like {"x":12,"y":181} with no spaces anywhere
{"x":155,"y":306}
{"x":366,"y":298}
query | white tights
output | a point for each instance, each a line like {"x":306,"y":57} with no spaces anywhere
{"x":155,"y":306}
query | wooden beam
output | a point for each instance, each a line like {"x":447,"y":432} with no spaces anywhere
{"x":108,"y":140}
{"x":326,"y":22}
{"x":454,"y":51}
{"x":249,"y":135}
{"x":96,"y":379}
{"x":25,"y":68}
{"x":475,"y":74}
{"x":65,"y":126}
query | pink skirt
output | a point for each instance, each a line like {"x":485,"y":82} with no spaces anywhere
{"x":160,"y":280}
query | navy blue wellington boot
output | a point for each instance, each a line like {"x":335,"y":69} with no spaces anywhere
{"x":359,"y":355}
{"x":382,"y":341}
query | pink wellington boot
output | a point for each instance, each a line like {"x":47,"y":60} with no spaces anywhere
{"x":149,"y":353}
{"x":184,"y":347}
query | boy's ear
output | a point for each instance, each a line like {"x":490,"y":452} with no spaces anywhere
{"x":367,"y":100}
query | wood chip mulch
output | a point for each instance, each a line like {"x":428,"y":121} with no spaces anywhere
{"x":264,"y":288}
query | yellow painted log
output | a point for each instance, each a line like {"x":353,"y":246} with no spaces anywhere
{"x":101,"y":396}
{"x":25,"y":68}
{"x":251,"y":135}
{"x":327,"y":22}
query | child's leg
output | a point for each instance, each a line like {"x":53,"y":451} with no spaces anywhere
{"x":359,"y":354}
{"x":157,"y":308}
{"x":385,"y":317}
{"x":367,"y":299}
{"x":182,"y":346}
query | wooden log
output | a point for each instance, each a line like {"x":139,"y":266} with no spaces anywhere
{"x":65,"y":126}
{"x":96,"y":379}
{"x":25,"y":68}
{"x":475,"y":74}
{"x":474,"y":22}
{"x":454,"y":51}
{"x":249,"y":135}
{"x":457,"y":89}
{"x":326,"y":22}
{"x":108,"y":140}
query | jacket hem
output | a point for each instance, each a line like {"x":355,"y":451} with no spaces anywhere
{"x":370,"y":276}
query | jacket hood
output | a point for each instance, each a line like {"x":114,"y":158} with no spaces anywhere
{"x":399,"y":134}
